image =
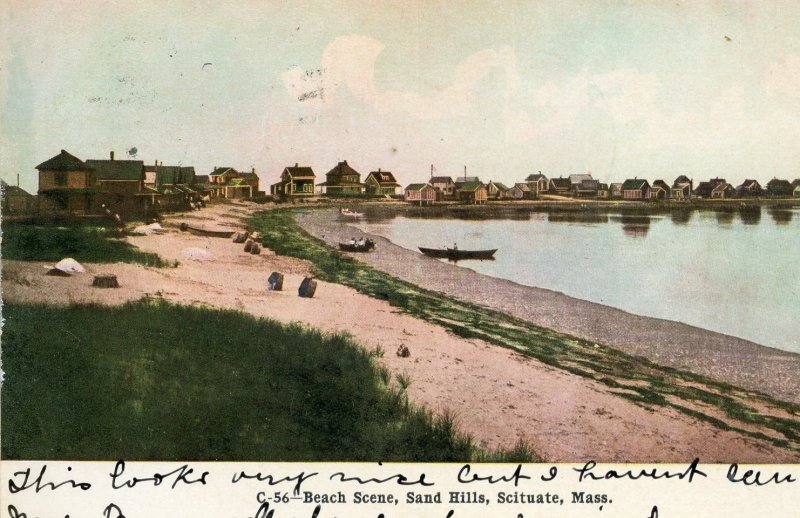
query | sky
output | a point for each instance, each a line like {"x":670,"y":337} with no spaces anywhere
{"x":620,"y":89}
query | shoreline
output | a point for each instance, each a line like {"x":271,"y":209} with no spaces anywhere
{"x":726,"y":358}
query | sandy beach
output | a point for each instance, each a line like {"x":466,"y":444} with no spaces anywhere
{"x":497,"y":395}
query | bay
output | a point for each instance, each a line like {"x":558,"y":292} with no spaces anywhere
{"x":731,"y":271}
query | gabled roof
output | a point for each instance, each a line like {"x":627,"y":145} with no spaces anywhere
{"x":384,"y":178}
{"x":776,"y":182}
{"x":499,"y":185}
{"x":662,"y":184}
{"x":634,"y":184}
{"x":249,"y":176}
{"x":578,"y":178}
{"x":341,"y":169}
{"x":222,"y":171}
{"x":523,"y":186}
{"x":681,"y":179}
{"x":417,"y":186}
{"x":116,"y":169}
{"x":535,"y":177}
{"x":749,"y":184}
{"x":562,"y":183}
{"x":469,"y":186}
{"x":299,"y":173}
{"x":167,"y":174}
{"x":63,"y":162}
{"x":441,"y":179}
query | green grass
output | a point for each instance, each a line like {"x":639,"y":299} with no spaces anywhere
{"x":156,"y":381}
{"x":634,"y":378}
{"x":83,"y":241}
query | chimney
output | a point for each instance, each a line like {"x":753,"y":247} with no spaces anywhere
{"x":156,"y":162}
{"x":296,"y":164}
{"x":111,"y":155}
{"x":253,"y":170}
{"x":17,"y":179}
{"x":465,"y":172}
{"x":345,"y":162}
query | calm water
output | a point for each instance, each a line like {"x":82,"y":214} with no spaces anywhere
{"x":734,"y":271}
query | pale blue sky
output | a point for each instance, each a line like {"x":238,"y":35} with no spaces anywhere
{"x":621,"y":89}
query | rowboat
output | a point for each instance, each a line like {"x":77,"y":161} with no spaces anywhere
{"x":350,"y":213}
{"x":455,"y":254}
{"x":227,"y":234}
{"x":368,"y":245}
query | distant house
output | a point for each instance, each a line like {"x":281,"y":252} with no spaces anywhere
{"x":749,"y":189}
{"x":16,"y":200}
{"x":420,"y":193}
{"x":560,"y":186}
{"x":576,"y":179}
{"x":230,"y":183}
{"x":380,"y":183}
{"x":516,"y":192}
{"x":682,"y":188}
{"x":706,"y":189}
{"x":636,"y":189}
{"x":495,"y":190}
{"x":65,"y":185}
{"x":342,"y":180}
{"x":779,"y":188}
{"x":603,"y":191}
{"x":586,"y":188}
{"x":467,"y":179}
{"x":538,"y":182}
{"x":659,"y":190}
{"x":472,"y":192}
{"x":444,"y":185}
{"x":796,"y":192}
{"x":250,"y":179}
{"x":615,"y":190}
{"x":723,"y":190}
{"x":295,"y":181}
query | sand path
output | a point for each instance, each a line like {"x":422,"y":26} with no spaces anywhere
{"x":497,"y":395}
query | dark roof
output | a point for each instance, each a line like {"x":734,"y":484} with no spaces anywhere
{"x":62,"y":162}
{"x":341,"y":169}
{"x":578,"y":178}
{"x":441,"y":179}
{"x":634,"y":184}
{"x":222,"y":170}
{"x":681,"y":179}
{"x":13,"y":190}
{"x":299,"y":172}
{"x":168,"y":174}
{"x":796,"y":182}
{"x":522,"y":186}
{"x":467,"y":179}
{"x":249,"y":176}
{"x":417,"y":186}
{"x":116,"y":169}
{"x":201,"y":178}
{"x":562,"y":183}
{"x":704,"y":189}
{"x":535,"y":177}
{"x":469,"y":186}
{"x":499,"y":185}
{"x":776,"y":182}
{"x":586,"y":185}
{"x":384,"y":178}
{"x":662,"y":184}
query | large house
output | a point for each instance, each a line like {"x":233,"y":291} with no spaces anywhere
{"x":710,"y":188}
{"x":779,"y":188}
{"x":342,"y":180}
{"x":295,"y":181}
{"x":66,"y":185}
{"x":749,"y":189}
{"x":230,"y":183}
{"x":560,"y":186}
{"x":380,"y":183}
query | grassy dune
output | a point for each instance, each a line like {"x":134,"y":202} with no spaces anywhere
{"x":155,"y":381}
{"x":90,"y":242}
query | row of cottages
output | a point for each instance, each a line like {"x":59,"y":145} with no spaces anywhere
{"x":465,"y":189}
{"x":342,"y":180}
{"x":71,"y":186}
{"x":16,"y":200}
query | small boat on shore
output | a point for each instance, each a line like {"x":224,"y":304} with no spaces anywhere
{"x":207,"y":233}
{"x":364,"y":246}
{"x":455,"y":254}
{"x":349,"y":213}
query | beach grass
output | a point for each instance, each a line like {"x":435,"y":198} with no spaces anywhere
{"x":90,"y":241}
{"x":634,"y":378}
{"x":156,"y":381}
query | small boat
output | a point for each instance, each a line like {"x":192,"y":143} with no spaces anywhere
{"x":367,"y":245}
{"x":227,"y":234}
{"x":349,"y":213}
{"x":455,"y":254}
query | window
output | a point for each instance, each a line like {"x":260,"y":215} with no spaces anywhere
{"x":60,"y":178}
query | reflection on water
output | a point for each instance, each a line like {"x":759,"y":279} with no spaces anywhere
{"x":675,"y":264}
{"x":750,"y":214}
{"x":781,"y":216}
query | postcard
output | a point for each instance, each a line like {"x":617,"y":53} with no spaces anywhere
{"x":341,"y":258}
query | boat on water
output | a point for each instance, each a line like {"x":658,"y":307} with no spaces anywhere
{"x":349,"y":213}
{"x":358,"y":246}
{"x":456,"y":254}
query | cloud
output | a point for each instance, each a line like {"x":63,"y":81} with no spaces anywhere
{"x":783,"y":78}
{"x":349,"y":62}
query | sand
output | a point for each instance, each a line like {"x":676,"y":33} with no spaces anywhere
{"x":497,"y":395}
